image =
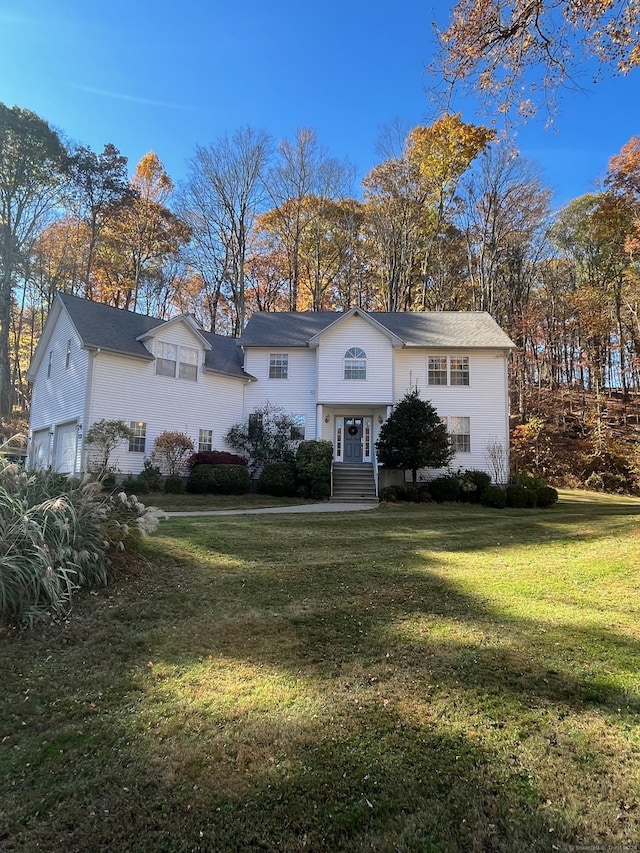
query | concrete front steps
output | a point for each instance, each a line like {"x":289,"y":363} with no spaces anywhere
{"x":353,"y":483}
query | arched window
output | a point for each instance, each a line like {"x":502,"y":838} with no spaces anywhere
{"x":355,"y":363}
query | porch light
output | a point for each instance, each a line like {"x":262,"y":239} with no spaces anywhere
{"x":327,"y":419}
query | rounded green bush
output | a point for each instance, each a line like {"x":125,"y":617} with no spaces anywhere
{"x":230,"y":480}
{"x":546,"y":497}
{"x":494,"y":496}
{"x":278,"y":479}
{"x":517,"y":496}
{"x":173,"y":485}
{"x":200,"y":480}
{"x":445,"y":488}
{"x":472,"y":485}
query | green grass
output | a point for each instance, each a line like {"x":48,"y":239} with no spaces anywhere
{"x":416,"y":678}
{"x":192,"y":502}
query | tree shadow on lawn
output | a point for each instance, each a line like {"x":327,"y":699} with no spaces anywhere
{"x":216,"y":768}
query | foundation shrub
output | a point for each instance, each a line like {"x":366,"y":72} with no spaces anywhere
{"x":230,"y":480}
{"x":472,"y":485}
{"x":444,"y":489}
{"x":173,"y":485}
{"x":517,"y":496}
{"x":215,"y":457}
{"x":494,"y":496}
{"x":313,"y":468}
{"x":278,"y":479}
{"x":546,"y":496}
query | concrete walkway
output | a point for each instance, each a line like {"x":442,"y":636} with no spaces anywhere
{"x":270,"y":510}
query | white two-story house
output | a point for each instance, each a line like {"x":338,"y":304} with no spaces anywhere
{"x":339,"y":376}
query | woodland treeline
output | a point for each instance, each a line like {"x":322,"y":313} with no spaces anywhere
{"x":450,"y":219}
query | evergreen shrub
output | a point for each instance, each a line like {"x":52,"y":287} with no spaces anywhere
{"x":278,"y":479}
{"x":546,"y":496}
{"x":173,"y":485}
{"x":494,"y":496}
{"x":445,"y":488}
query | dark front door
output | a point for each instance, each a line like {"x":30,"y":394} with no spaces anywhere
{"x":353,"y":440}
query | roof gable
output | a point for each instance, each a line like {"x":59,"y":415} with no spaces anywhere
{"x":346,"y":317}
{"x":182,"y":319}
{"x":103,"y":327}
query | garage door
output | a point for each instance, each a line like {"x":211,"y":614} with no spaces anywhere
{"x":66,"y":443}
{"x":40,"y":449}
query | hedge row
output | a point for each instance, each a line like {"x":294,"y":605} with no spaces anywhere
{"x":475,"y":487}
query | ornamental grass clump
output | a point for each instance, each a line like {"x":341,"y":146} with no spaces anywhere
{"x":58,"y":535}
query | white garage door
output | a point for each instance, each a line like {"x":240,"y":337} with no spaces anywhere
{"x":66,"y":443}
{"x":40,"y":449}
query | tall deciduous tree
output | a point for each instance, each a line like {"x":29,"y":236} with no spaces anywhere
{"x":521,"y":52}
{"x":31,"y":156}
{"x":303,"y":170}
{"x":414,"y":437}
{"x":98,"y":186}
{"x":222,"y":195}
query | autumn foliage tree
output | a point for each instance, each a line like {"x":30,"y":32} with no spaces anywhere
{"x":519,"y":54}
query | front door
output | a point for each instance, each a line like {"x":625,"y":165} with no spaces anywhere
{"x":353,"y":440}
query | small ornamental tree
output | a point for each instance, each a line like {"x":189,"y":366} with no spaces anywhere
{"x":414,"y":437}
{"x":266,"y":437}
{"x":103,"y":437}
{"x":171,"y":450}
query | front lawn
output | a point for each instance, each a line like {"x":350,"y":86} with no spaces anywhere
{"x":414,"y":678}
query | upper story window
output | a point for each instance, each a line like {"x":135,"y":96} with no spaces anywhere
{"x":448,"y":370}
{"x":278,"y":365}
{"x":49,"y":364}
{"x":67,"y":361}
{"x":355,"y":363}
{"x":188,"y":363}
{"x":174,"y":360}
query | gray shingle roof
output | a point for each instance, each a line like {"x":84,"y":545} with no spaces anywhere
{"x":437,"y":329}
{"x":102,"y":326}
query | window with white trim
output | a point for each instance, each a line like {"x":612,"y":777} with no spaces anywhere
{"x":460,"y":434}
{"x":355,"y":363}
{"x":205,"y":440}
{"x":297,"y":427}
{"x":166,"y":358}
{"x":278,"y":365}
{"x":448,"y":370}
{"x":67,"y":361}
{"x":138,"y":438}
{"x":174,"y":360}
{"x":188,"y":363}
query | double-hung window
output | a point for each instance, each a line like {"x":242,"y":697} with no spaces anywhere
{"x":138,"y":436}
{"x":174,"y":360}
{"x":188,"y":364}
{"x":355,"y":363}
{"x":448,"y":370}
{"x":166,"y":359}
{"x":278,"y":365}
{"x":460,"y":434}
{"x":205,"y":440}
{"x":297,"y":427}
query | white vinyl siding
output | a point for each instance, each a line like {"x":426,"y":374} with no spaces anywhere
{"x":297,"y":394}
{"x":484,"y":401}
{"x":59,"y":393}
{"x":128,"y":388}
{"x":333,"y":388}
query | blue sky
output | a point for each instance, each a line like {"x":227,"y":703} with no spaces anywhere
{"x":169,"y":76}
